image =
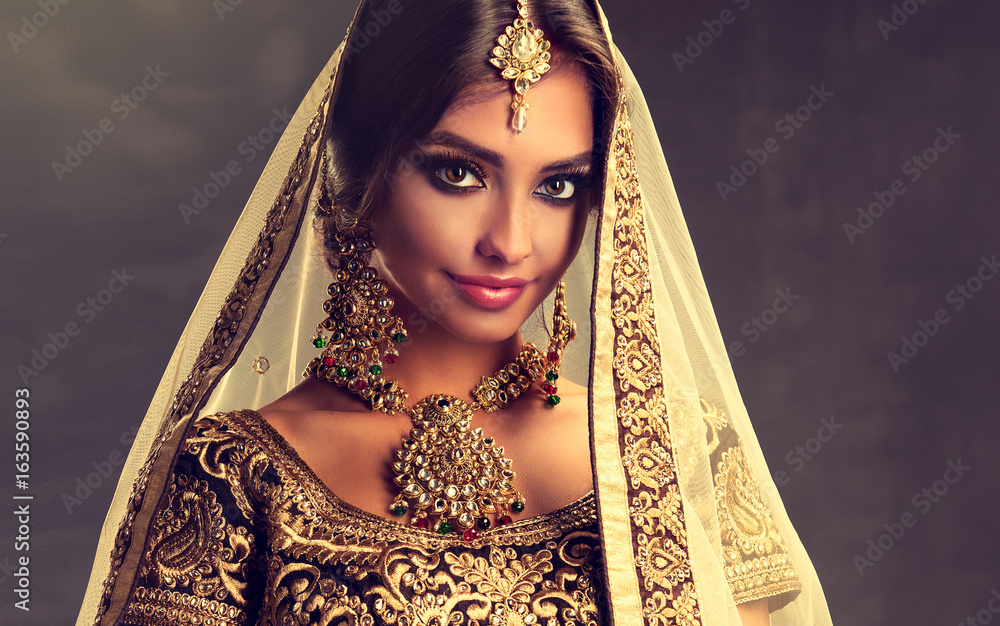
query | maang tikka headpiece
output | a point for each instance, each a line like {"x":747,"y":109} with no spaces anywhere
{"x":523,"y":55}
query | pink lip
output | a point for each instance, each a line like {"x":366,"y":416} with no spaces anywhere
{"x":490,"y":292}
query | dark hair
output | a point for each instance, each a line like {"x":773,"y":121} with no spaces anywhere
{"x":405,"y":61}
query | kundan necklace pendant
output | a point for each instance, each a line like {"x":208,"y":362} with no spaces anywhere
{"x":450,"y":472}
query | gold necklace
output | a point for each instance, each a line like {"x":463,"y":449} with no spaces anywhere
{"x":445,"y":468}
{"x":451,"y":471}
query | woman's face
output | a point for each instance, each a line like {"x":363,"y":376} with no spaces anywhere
{"x":482,"y":222}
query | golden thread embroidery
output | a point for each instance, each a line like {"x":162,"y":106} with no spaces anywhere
{"x":154,"y":606}
{"x":324,"y":562}
{"x":755,"y":557}
{"x":662,"y":560}
{"x":193,"y":548}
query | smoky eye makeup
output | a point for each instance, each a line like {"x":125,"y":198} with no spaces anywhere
{"x":454,"y":172}
{"x":564,"y":188}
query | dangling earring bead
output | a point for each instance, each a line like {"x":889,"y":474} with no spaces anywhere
{"x":563,"y":331}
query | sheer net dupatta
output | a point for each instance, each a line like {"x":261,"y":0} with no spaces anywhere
{"x":691,"y":521}
{"x":219,"y":333}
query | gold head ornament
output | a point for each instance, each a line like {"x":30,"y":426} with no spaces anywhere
{"x":522,"y":55}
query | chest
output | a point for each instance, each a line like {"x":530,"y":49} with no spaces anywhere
{"x":353,"y":457}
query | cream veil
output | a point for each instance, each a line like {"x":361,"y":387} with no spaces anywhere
{"x":690,"y":520}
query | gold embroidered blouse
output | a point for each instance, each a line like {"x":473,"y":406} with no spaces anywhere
{"x":247,"y":534}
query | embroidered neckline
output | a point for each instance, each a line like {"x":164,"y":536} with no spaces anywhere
{"x":580,"y":513}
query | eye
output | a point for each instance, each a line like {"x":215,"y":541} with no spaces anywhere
{"x":558,"y":188}
{"x":457,"y":175}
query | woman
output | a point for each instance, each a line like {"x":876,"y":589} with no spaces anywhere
{"x":435,"y":466}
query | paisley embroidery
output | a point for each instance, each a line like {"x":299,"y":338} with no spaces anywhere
{"x":194,"y":548}
{"x":754,"y":554}
{"x":312,"y":559}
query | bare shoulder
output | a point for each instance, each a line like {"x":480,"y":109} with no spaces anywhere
{"x":284,"y":414}
{"x":306,"y":408}
{"x":568,"y":388}
{"x":340,"y":439}
{"x":551,"y":449}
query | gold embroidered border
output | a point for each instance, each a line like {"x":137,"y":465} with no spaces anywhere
{"x":155,"y":607}
{"x":543,"y":569}
{"x":659,"y":538}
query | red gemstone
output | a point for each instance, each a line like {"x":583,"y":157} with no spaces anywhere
{"x":549,"y":388}
{"x":360,"y":385}
{"x":422,"y":523}
{"x":328,"y":361}
{"x":469,"y":535}
{"x":503,"y":520}
{"x":553,"y":356}
{"x":391,"y":358}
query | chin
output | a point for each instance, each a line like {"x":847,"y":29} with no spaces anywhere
{"x":484,"y":328}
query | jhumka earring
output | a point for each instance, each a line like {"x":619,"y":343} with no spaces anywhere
{"x":523,"y":55}
{"x":358,"y":321}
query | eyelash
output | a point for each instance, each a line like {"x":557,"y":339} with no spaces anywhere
{"x":579,"y":177}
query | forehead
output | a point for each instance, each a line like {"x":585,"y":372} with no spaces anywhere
{"x":560,"y":115}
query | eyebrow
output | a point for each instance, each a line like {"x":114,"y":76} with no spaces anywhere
{"x":450,"y":139}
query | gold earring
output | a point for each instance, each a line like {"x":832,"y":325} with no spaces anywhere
{"x":359,"y":318}
{"x":563,"y":331}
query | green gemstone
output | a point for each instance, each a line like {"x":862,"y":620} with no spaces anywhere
{"x":343,"y":371}
{"x":375,"y":370}
{"x":551,"y":375}
{"x":399,"y":510}
{"x":444,"y":528}
{"x":399,"y":337}
{"x":319,"y":342}
{"x":517,"y":507}
{"x":483,"y":523}
{"x":488,"y":441}
{"x":553,"y":400}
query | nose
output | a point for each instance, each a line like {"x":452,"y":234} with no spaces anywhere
{"x":507,"y":235}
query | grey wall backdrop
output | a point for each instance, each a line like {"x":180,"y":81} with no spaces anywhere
{"x":841,"y":155}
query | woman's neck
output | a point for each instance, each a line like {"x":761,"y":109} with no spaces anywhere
{"x":434,"y":361}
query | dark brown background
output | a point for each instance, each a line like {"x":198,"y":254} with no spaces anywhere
{"x":826,"y":356}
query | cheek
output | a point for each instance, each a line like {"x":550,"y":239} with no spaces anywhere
{"x":562,"y":234}
{"x":418,"y":230}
